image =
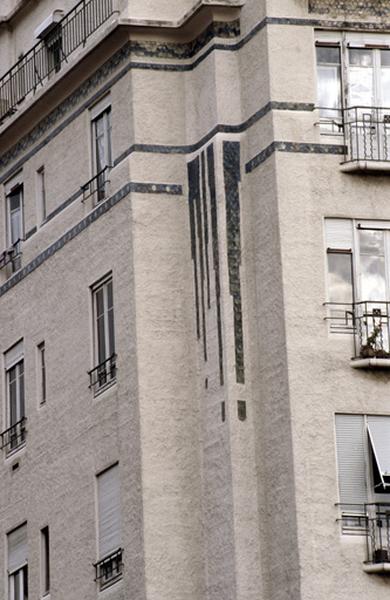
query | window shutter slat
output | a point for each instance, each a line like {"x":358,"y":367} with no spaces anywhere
{"x":17,"y":548}
{"x":339,"y":234}
{"x":109,"y":511}
{"x":351,"y":443}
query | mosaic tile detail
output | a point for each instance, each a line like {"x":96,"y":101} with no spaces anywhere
{"x":232,"y":177}
{"x":203,"y":214}
{"x":101,"y":209}
{"x":378,"y":8}
{"x":295,"y":147}
{"x":215,"y":247}
{"x":193,"y":187}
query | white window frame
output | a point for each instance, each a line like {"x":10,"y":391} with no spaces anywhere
{"x":41,"y":195}
{"x":101,"y":110}
{"x":20,"y":572}
{"x":45,"y":560}
{"x":108,"y":314}
{"x":41,"y":373}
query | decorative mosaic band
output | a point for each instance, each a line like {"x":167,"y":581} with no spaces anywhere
{"x":378,"y":8}
{"x":295,"y":147}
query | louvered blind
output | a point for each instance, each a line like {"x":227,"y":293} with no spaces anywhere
{"x":14,"y":355}
{"x":109,"y":511}
{"x":351,"y":439}
{"x":379,"y":430}
{"x":17,"y":548}
{"x":339,"y":234}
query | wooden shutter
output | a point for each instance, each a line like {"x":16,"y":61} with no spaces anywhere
{"x":351,"y":438}
{"x":109,"y":511}
{"x":17,"y":548}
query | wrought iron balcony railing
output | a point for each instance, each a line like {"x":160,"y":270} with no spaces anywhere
{"x":378,"y":533}
{"x":35,"y":67}
{"x":109,"y":569}
{"x":368,"y":321}
{"x":103,"y":374}
{"x":97,"y":186}
{"x":367,"y":133}
{"x":14,"y":436}
{"x":11,"y":255}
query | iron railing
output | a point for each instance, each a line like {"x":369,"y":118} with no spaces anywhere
{"x":109,"y":568}
{"x":97,"y":186}
{"x":103,"y":374}
{"x":14,"y":436}
{"x":368,"y":321}
{"x":35,"y":67}
{"x":367,"y":133}
{"x":378,"y":533}
{"x":11,"y":255}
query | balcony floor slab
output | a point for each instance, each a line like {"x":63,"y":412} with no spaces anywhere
{"x":365,"y":165}
{"x":377,"y":568}
{"x":370,"y":363}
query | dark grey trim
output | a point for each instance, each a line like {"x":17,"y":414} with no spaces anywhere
{"x":295,"y":147}
{"x":101,"y":209}
{"x":30,"y":233}
{"x":330,"y":23}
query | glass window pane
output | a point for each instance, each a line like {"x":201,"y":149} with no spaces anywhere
{"x":99,"y":302}
{"x":361,"y":57}
{"x":371,"y":242}
{"x":385,"y":87}
{"x":372,"y":278}
{"x":361,"y":86}
{"x":21,"y":394}
{"x":340,"y":277}
{"x":111,"y":332}
{"x":385,"y":58}
{"x":328,"y":55}
{"x":329,"y":88}
{"x":101,"y":340}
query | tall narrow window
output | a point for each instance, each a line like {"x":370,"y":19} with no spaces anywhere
{"x":103,"y":310}
{"x":17,"y":564}
{"x":41,"y":195}
{"x":14,"y":436}
{"x":109,"y":566}
{"x":101,"y":149}
{"x":329,"y":82}
{"x":53,"y":43}
{"x":15,"y":223}
{"x":41,"y":373}
{"x":45,"y":561}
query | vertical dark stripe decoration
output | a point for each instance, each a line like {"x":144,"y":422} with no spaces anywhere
{"x":214,"y":233}
{"x":193,"y":184}
{"x":204,"y":244}
{"x":231,"y":167}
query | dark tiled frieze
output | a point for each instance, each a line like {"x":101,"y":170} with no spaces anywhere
{"x":379,"y":8}
{"x":294,"y":147}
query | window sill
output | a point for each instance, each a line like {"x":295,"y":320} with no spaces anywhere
{"x":370,"y":363}
{"x":377,"y":567}
{"x":355,"y":166}
{"x":14,"y":451}
{"x":110,"y":584}
{"x":104,"y":388}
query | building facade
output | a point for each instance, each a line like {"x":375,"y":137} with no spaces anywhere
{"x":194,"y":299}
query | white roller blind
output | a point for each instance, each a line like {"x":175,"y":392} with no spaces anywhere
{"x":351,"y":442}
{"x":379,"y":431}
{"x":339,"y":234}
{"x":109,"y":511}
{"x":17,"y":548}
{"x":13,"y":355}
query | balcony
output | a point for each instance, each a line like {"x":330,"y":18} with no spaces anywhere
{"x":12,"y":256}
{"x":378,"y":539}
{"x":47,"y":57}
{"x":369,"y":324}
{"x":367,"y":139}
{"x":109,"y":569}
{"x":103,"y":375}
{"x":14,"y":437}
{"x":96,"y":187}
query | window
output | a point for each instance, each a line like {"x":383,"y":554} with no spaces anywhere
{"x":101,"y":145}
{"x":41,"y":195}
{"x":15,"y":226}
{"x":109,"y":566}
{"x":17,"y":564}
{"x":358,"y":65}
{"x":358,"y":260}
{"x":45,"y":561}
{"x":14,"y":436}
{"x":53,"y":43}
{"x":329,"y":81}
{"x":104,"y":336}
{"x":41,"y":373}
